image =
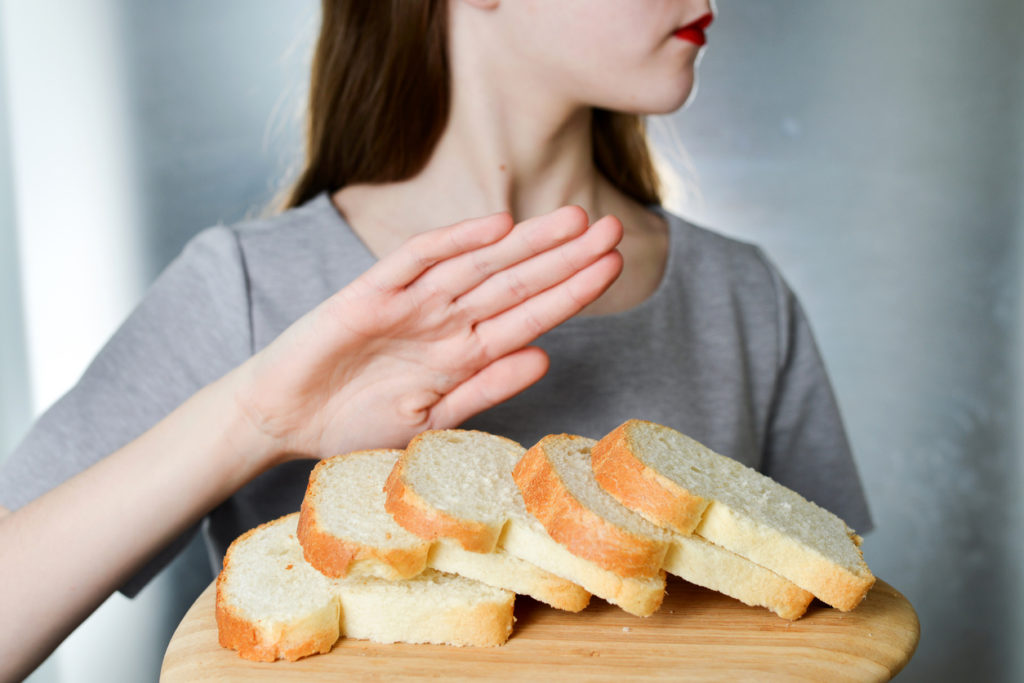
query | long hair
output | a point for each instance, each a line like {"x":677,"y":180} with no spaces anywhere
{"x":380,"y":94}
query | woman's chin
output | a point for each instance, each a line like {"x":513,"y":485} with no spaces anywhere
{"x":662,"y":95}
{"x":664,"y":102}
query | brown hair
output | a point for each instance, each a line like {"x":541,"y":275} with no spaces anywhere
{"x":379,"y":99}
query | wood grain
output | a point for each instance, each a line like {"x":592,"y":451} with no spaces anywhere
{"x":697,"y":635}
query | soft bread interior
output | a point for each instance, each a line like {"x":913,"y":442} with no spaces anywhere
{"x":349,"y":500}
{"x":268,"y":579}
{"x":466,"y":474}
{"x":431,"y":607}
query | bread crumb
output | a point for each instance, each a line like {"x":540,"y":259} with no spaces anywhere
{"x":625,"y":629}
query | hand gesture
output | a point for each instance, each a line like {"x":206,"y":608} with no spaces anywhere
{"x":432,"y":334}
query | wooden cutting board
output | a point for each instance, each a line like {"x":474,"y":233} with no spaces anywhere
{"x":697,"y":635}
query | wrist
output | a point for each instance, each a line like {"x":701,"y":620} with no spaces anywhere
{"x":251,"y":449}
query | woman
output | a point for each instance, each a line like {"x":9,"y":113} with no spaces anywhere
{"x":349,"y":321}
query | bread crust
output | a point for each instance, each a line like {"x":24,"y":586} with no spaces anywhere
{"x":238,"y":633}
{"x":410,"y":510}
{"x":579,"y":529}
{"x":489,"y":624}
{"x":334,"y":556}
{"x":642,"y":489}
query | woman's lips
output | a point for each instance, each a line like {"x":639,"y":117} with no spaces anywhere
{"x":694,"y":32}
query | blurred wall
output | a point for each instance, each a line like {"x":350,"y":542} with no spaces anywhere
{"x":875,"y":149}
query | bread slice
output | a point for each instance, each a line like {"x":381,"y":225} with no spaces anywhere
{"x":343,"y":527}
{"x":458,"y":485}
{"x":271,"y":604}
{"x":344,"y":531}
{"x":705,"y":564}
{"x":565,"y":495}
{"x":690,"y":488}
{"x":559,"y":489}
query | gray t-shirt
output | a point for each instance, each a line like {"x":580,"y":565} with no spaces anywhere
{"x":721,"y":351}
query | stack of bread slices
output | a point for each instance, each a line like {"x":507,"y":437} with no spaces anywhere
{"x":431,"y":544}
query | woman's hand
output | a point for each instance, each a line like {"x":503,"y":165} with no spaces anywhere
{"x":432,"y":334}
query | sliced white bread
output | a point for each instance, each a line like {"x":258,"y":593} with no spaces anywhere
{"x":677,"y":482}
{"x":560,"y":491}
{"x":457,"y":485}
{"x":564,"y":494}
{"x":432,"y":607}
{"x":701,"y":562}
{"x":345,"y":530}
{"x":271,"y":604}
{"x":343,"y":527}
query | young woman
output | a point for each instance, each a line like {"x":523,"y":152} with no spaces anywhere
{"x":560,"y":298}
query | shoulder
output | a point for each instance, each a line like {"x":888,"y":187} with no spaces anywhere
{"x":308,"y":251}
{"x":714,"y":250}
{"x":310,"y":226}
{"x":712,"y":262}
{"x":290,"y":262}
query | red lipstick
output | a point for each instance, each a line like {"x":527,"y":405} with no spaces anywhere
{"x":694,"y":32}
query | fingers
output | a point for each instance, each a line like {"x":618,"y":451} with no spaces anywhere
{"x":528,"y":239}
{"x":427,"y":249}
{"x":523,"y":323}
{"x":514,"y":285}
{"x":496,"y":383}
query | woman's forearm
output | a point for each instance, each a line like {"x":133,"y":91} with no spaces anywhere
{"x":63,"y":554}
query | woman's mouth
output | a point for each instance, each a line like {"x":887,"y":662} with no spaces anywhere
{"x":694,"y":32}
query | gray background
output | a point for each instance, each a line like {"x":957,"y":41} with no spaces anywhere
{"x":876,"y":150}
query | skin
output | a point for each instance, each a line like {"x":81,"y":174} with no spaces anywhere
{"x":437,"y":331}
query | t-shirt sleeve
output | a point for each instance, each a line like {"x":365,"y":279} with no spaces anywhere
{"x":192,"y":327}
{"x":806,"y":447}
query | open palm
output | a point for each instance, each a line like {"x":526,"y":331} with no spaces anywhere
{"x":432,"y":334}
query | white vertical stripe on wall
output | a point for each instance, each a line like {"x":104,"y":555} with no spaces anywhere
{"x":74,"y":182}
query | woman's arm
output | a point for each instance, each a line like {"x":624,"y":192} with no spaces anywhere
{"x":67,"y":551}
{"x":429,"y":336}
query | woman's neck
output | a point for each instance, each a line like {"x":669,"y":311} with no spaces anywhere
{"x":490,"y":158}
{"x":510,"y":144}
{"x":515,"y":159}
